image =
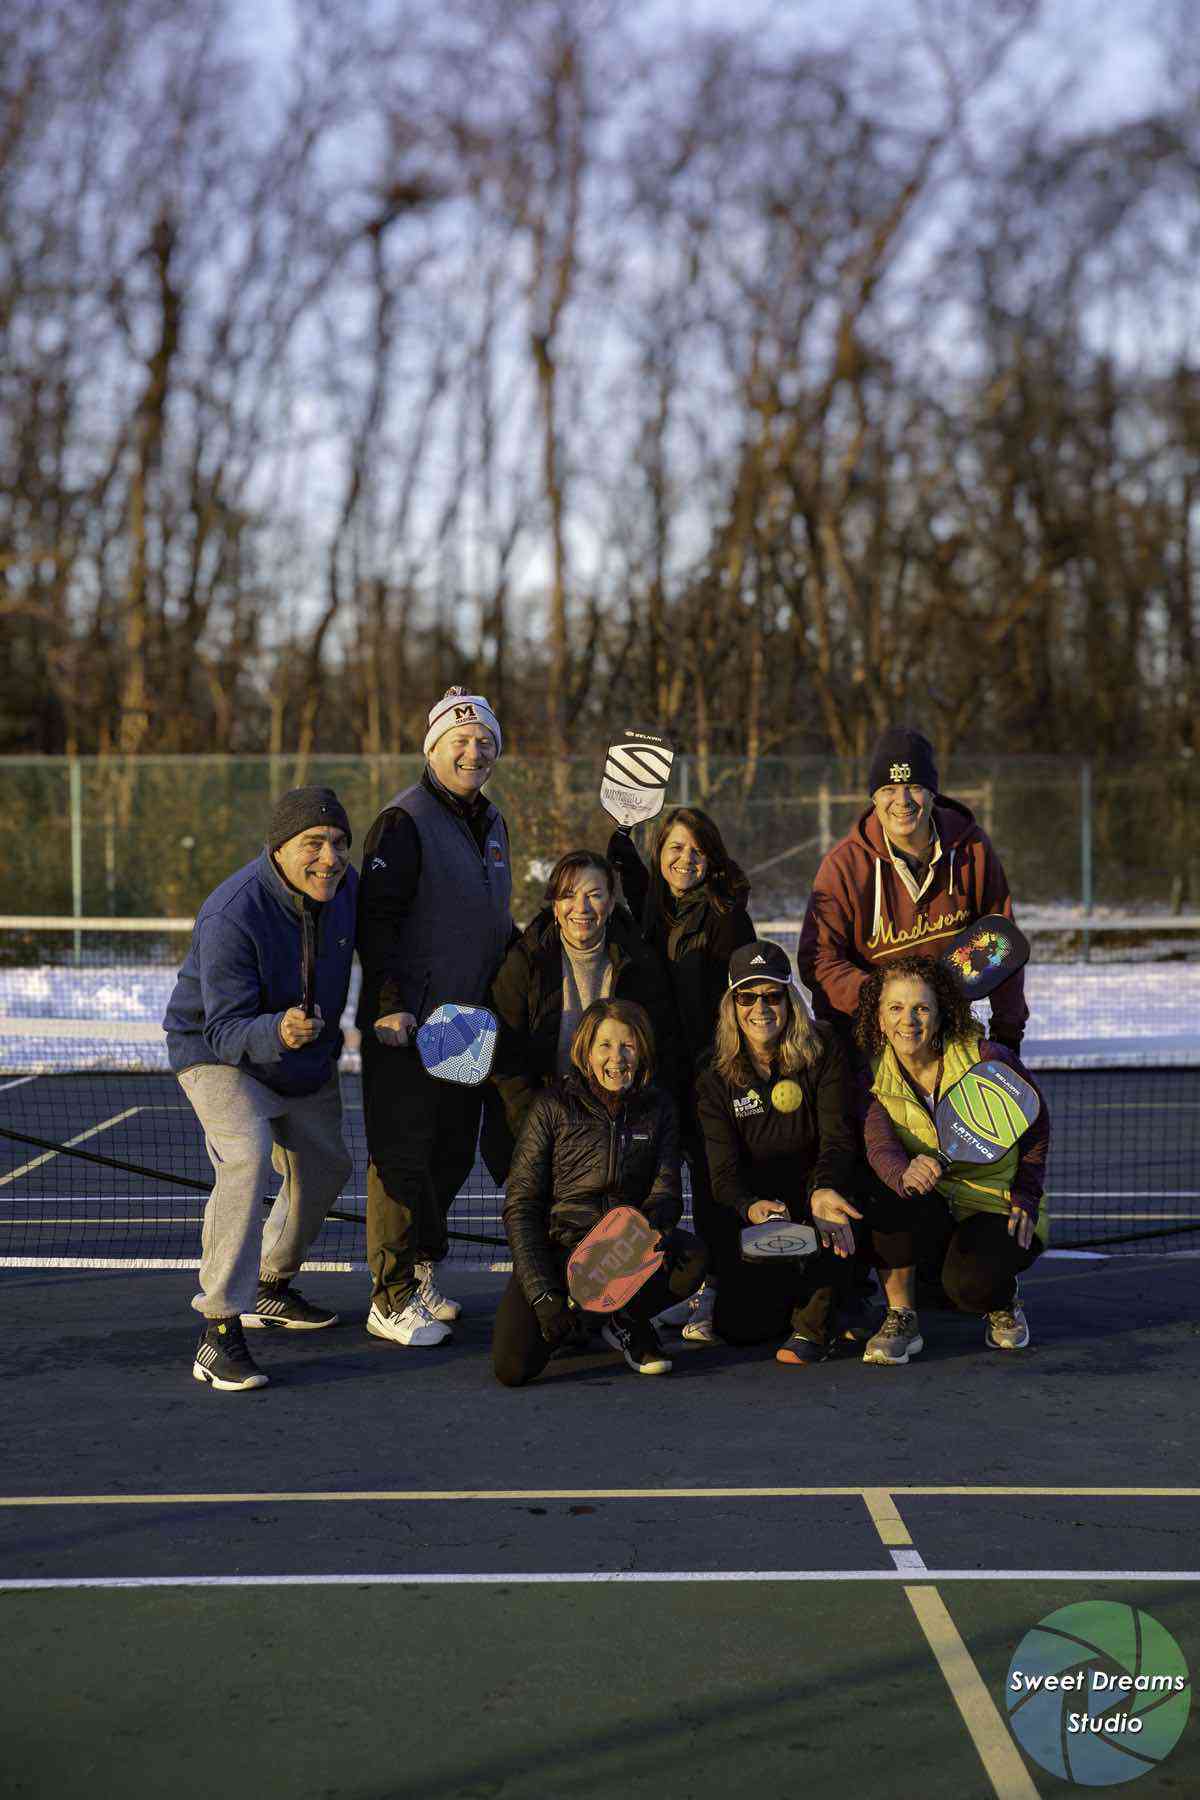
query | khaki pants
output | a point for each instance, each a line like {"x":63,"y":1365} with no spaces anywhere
{"x":251,"y":1132}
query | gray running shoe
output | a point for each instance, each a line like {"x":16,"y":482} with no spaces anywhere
{"x":1007,"y":1329}
{"x":898,"y":1338}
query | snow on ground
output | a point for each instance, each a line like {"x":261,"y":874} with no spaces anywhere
{"x":1066,"y":1000}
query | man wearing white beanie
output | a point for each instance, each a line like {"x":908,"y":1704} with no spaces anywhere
{"x":434,"y":922}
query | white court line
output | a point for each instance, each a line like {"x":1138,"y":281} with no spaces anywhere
{"x":49,"y":1155}
{"x":135,"y":1263}
{"x":589,"y":1578}
{"x":978,"y":1711}
{"x":19,"y":1082}
{"x":331,"y":1496}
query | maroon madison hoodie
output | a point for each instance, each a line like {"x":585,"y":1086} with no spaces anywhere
{"x":860,"y":913}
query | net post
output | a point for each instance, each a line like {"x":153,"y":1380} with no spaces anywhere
{"x":1085,"y":849}
{"x":75,"y":810}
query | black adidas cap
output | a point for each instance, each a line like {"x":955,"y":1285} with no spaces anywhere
{"x":759,"y":961}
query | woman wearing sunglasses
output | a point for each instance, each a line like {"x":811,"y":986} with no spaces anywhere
{"x":776,"y":1112}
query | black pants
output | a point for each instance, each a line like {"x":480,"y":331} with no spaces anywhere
{"x":519,"y":1351}
{"x":718,"y":1227}
{"x":759,"y":1302}
{"x":978,"y":1259}
{"x":421,"y":1137}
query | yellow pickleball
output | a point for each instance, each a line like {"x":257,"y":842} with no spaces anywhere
{"x":786,"y":1096}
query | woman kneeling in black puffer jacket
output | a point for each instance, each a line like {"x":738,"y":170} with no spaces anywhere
{"x":602,"y":1137}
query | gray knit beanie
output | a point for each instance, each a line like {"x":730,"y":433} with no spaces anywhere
{"x":299,"y":808}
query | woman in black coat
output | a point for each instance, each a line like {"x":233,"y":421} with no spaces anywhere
{"x":777,"y":1113}
{"x":691,"y":903}
{"x":581,"y":947}
{"x":604,"y":1136}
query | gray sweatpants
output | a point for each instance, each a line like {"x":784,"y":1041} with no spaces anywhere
{"x":249,"y":1131}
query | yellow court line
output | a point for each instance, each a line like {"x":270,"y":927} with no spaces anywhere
{"x":713,"y":1493}
{"x":989,"y":1734}
{"x":882,"y":1508}
{"x":48,"y":1156}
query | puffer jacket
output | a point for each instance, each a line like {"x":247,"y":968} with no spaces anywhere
{"x":527,"y":1000}
{"x":574,"y":1161}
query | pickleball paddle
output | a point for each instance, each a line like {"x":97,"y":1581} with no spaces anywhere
{"x":984,"y":1114}
{"x":614,"y":1261}
{"x":986,"y":953}
{"x":637,"y":768}
{"x":777,"y":1238}
{"x":458,"y":1043}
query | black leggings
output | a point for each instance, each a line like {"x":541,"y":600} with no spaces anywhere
{"x":978,"y":1259}
{"x":519,"y":1351}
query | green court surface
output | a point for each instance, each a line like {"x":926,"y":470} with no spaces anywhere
{"x":677,"y":1690}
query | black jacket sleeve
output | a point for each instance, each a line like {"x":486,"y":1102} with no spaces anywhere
{"x":622,"y":853}
{"x":529,"y":1196}
{"x":649,"y":983}
{"x":722,"y":1149}
{"x":663,"y":1205}
{"x":838,"y":1163}
{"x":391,"y":871}
{"x":515,"y":1076}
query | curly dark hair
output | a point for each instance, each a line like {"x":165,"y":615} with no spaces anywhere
{"x":957,"y":1019}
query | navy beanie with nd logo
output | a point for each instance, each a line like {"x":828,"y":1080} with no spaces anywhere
{"x":902,"y":755}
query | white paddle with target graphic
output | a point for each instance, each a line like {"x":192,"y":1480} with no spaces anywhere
{"x":458,"y":1043}
{"x":637,"y":769}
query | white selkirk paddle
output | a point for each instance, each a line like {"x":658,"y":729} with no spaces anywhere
{"x":637,"y":768}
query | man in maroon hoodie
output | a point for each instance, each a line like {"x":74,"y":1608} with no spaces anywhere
{"x":914,"y":870}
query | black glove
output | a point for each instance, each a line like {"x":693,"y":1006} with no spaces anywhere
{"x":1008,"y":1035}
{"x":674,"y":1246}
{"x":553,"y":1314}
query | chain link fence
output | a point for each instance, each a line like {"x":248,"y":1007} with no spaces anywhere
{"x":106,"y":837}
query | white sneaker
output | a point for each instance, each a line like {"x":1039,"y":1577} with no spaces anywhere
{"x":413,"y":1324}
{"x":438,"y":1304}
{"x":699,"y":1328}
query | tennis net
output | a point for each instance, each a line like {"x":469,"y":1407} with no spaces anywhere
{"x":104,"y":1162}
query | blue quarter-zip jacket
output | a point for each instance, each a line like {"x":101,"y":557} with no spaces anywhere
{"x":243,"y":971}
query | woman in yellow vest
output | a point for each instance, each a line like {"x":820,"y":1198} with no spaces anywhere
{"x":915,"y":1025}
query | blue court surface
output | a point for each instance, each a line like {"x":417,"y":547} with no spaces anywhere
{"x":386,"y":1575}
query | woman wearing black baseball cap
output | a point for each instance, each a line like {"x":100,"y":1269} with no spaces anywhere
{"x":776,"y":1112}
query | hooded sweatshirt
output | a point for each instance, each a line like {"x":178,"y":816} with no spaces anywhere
{"x":863,"y":910}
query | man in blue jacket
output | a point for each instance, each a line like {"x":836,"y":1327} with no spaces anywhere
{"x":253,"y":1035}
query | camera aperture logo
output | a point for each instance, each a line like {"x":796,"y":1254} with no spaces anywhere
{"x":1098,"y":1693}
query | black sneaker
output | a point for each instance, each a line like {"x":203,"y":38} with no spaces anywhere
{"x":278,"y":1303}
{"x":638,"y":1344}
{"x":223,"y":1359}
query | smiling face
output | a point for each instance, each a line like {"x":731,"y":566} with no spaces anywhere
{"x":903,"y":809}
{"x":613,"y":1060}
{"x":762,"y":1013}
{"x":315,"y":860}
{"x":909,"y":1018}
{"x":683,"y":863}
{"x":583,"y":911}
{"x":463,"y":758}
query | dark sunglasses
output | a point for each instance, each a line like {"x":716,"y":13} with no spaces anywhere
{"x":776,"y":997}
